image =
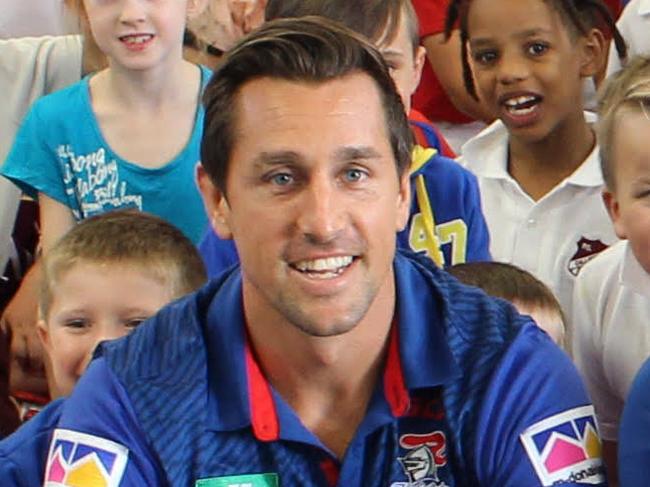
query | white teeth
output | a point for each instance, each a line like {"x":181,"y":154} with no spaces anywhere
{"x":328,"y":265}
{"x":520,"y":100}
{"x":521,"y":111}
{"x":137,"y":39}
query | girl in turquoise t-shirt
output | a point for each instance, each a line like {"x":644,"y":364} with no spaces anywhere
{"x":127,"y":136}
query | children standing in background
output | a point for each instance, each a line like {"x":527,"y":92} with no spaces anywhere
{"x":527,"y":293}
{"x":127,"y":136}
{"x":100,"y":281}
{"x":612,"y":295}
{"x":124,"y":137}
{"x":538,"y":164}
{"x":104,"y":278}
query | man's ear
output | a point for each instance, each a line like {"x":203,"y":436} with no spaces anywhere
{"x":403,"y":201}
{"x":215,"y":202}
{"x":594,"y":53}
{"x":196,"y":8}
{"x":613,"y":208}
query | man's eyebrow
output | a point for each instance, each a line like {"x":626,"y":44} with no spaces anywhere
{"x":356,"y":153}
{"x":276,"y":158}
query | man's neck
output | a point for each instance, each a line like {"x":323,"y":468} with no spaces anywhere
{"x":327,"y":381}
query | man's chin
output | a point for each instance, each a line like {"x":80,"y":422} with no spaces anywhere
{"x":325,"y":321}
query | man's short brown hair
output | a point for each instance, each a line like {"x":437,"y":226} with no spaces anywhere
{"x":126,"y":237}
{"x":628,"y":91}
{"x":378,"y":20}
{"x":309,"y":50}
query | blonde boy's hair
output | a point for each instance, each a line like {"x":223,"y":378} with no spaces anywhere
{"x":628,"y":91}
{"x":126,"y":237}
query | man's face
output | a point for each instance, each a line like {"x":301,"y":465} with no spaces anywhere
{"x":313,"y":201}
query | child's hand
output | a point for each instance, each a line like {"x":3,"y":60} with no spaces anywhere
{"x":26,"y":370}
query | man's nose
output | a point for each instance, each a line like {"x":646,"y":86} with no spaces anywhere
{"x":321,"y":210}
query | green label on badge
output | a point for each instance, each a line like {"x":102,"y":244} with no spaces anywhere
{"x":253,"y":480}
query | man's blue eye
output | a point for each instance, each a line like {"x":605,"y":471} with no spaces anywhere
{"x":282,"y":179}
{"x":354,"y":175}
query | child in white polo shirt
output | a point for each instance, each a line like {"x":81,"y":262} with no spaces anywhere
{"x":612,"y":295}
{"x":537,"y":165}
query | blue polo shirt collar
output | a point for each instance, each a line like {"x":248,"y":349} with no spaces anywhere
{"x":240,"y":396}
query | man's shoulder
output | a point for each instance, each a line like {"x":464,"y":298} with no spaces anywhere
{"x":64,"y":104}
{"x":471,"y":318}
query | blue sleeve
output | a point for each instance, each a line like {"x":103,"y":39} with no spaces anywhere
{"x":32,"y":163}
{"x":23,"y":453}
{"x":98,"y":418}
{"x":12,"y":474}
{"x":634,"y":433}
{"x":218,"y":255}
{"x":536,"y":425}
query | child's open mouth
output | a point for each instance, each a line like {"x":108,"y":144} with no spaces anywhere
{"x":136,"y":41}
{"x":522,"y":105}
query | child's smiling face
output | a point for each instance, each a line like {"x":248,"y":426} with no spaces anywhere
{"x":528,"y":65}
{"x":629,"y":202}
{"x":138,"y":34}
{"x":95,"y":302}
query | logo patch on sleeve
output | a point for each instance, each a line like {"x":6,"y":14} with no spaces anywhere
{"x":566,"y":448}
{"x":78,"y":459}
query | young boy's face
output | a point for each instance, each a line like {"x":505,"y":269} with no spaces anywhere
{"x":404,"y":62}
{"x":629,"y":203}
{"x":527,"y":65}
{"x":94,"y":302}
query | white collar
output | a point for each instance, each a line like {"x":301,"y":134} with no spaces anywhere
{"x":644,"y":7}
{"x":633,"y":276}
{"x":486,"y":155}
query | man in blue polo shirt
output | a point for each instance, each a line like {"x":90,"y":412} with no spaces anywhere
{"x":327,"y":358}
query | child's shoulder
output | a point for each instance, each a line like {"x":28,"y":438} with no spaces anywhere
{"x":486,"y":149}
{"x":63,"y":103}
{"x":436,"y":167}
